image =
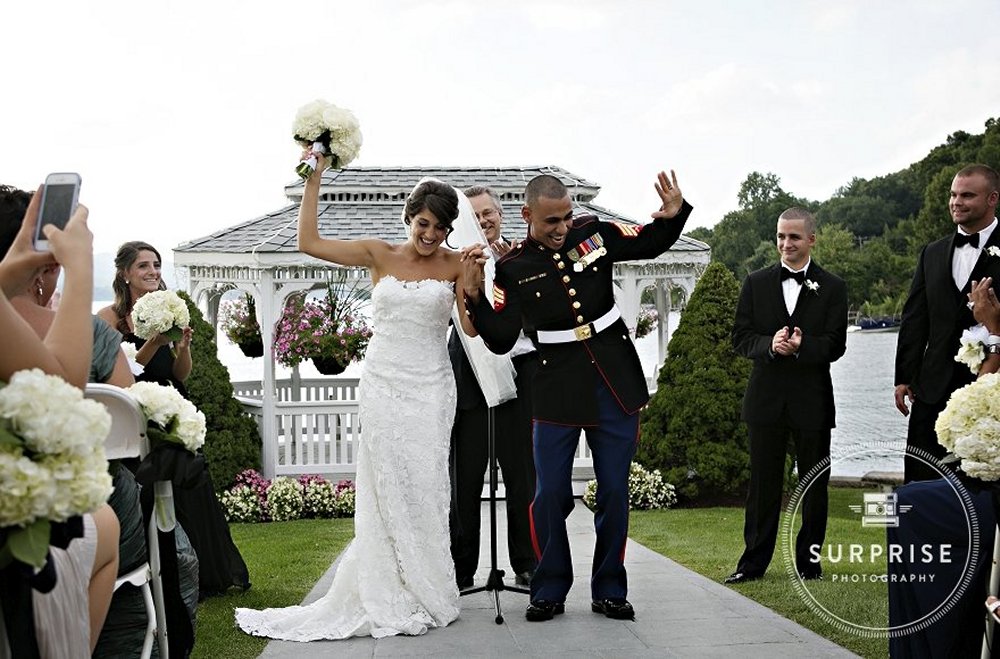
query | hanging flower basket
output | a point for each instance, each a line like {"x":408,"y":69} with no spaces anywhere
{"x":329,"y":365}
{"x":328,"y":330}
{"x":238,"y":321}
{"x":252,"y":348}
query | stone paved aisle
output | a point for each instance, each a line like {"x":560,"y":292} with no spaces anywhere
{"x":679,"y":614}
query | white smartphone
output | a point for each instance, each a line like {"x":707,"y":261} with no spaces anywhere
{"x":59,"y":199}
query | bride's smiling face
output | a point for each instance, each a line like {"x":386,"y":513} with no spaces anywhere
{"x":427,"y":232}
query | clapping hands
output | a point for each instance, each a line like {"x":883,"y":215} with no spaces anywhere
{"x":785,"y":342}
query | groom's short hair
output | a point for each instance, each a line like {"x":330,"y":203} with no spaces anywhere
{"x":799,"y":213}
{"x":544,"y":185}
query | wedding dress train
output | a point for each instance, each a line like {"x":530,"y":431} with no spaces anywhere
{"x":397,"y":576}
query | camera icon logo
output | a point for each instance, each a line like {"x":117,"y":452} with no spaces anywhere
{"x":880,"y":509}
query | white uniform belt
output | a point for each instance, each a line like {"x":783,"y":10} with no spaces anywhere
{"x":581,"y":333}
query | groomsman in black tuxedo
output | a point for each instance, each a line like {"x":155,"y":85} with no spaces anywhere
{"x":936,"y":312}
{"x":791,"y":320}
{"x":512,"y":419}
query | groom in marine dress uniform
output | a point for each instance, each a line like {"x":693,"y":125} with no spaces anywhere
{"x":557,"y":286}
{"x":791,"y":320}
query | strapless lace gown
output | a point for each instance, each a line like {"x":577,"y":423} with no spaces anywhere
{"x":397,"y":576}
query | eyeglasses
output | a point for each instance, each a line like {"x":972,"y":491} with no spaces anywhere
{"x":488,"y":214}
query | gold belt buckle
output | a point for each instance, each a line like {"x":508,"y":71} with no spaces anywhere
{"x":583,"y":332}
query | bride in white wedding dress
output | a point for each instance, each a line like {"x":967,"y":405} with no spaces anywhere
{"x":397,"y":576}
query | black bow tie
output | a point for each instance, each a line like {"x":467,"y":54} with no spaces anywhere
{"x":964,"y":239}
{"x":799,"y":277}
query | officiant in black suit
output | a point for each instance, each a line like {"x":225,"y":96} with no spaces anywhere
{"x":791,"y":320}
{"x":936,"y":311}
{"x":469,"y":454}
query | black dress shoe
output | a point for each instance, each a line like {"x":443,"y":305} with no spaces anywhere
{"x":465,"y":582}
{"x":741,"y":577}
{"x":524,"y":578}
{"x":619,"y":609}
{"x":542,"y":610}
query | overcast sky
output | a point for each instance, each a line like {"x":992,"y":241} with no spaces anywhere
{"x":177,"y":114}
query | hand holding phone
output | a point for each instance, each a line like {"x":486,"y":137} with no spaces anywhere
{"x":59,"y":199}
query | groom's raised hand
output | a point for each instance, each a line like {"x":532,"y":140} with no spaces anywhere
{"x":671,"y":198}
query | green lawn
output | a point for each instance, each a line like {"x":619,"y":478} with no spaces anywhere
{"x":710,"y":540}
{"x":285,"y":561}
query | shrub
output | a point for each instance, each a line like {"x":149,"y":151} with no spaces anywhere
{"x":284,"y":499}
{"x":646,"y":490}
{"x":691,"y":429}
{"x":241,"y":504}
{"x":253,"y":498}
{"x":232,"y":443}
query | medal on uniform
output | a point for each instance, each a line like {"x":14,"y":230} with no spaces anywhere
{"x":587,"y":252}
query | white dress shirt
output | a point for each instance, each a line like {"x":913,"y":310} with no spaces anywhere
{"x":791,"y":288}
{"x":966,"y":256}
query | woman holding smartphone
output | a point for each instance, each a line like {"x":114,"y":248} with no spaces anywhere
{"x":69,"y":617}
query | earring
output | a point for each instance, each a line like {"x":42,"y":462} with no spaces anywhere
{"x":127,"y":282}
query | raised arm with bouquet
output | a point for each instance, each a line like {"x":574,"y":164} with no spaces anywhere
{"x":324,"y":128}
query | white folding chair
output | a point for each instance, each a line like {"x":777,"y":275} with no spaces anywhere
{"x":127,"y":439}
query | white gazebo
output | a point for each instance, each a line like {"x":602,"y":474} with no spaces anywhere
{"x":310,"y":426}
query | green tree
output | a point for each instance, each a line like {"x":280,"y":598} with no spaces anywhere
{"x":232,"y":443}
{"x":691,"y":429}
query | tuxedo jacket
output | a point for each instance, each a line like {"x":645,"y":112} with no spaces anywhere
{"x":536,"y":288}
{"x":934,"y":317}
{"x":797,"y":389}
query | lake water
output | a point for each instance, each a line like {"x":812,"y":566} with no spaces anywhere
{"x":862,"y":381}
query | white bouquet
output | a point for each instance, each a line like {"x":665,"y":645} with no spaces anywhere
{"x":52,"y":463}
{"x":172,"y":417}
{"x":970,"y":351}
{"x":969,"y":427}
{"x":160,"y":312}
{"x":327,"y":129}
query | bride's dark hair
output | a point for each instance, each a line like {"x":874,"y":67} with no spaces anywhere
{"x":434,"y":196}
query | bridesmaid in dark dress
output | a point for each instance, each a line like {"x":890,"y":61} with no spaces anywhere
{"x":220,"y":565}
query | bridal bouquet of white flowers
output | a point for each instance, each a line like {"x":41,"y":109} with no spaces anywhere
{"x":52,"y":464}
{"x":170,"y":416}
{"x":970,"y":350}
{"x":969,"y":427}
{"x":325,"y":128}
{"x":160,"y":312}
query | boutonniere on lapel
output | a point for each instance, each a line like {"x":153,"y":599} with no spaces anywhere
{"x":993,"y":250}
{"x":813,"y":286}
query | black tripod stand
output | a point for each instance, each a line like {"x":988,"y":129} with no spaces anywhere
{"x":494,"y":582}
